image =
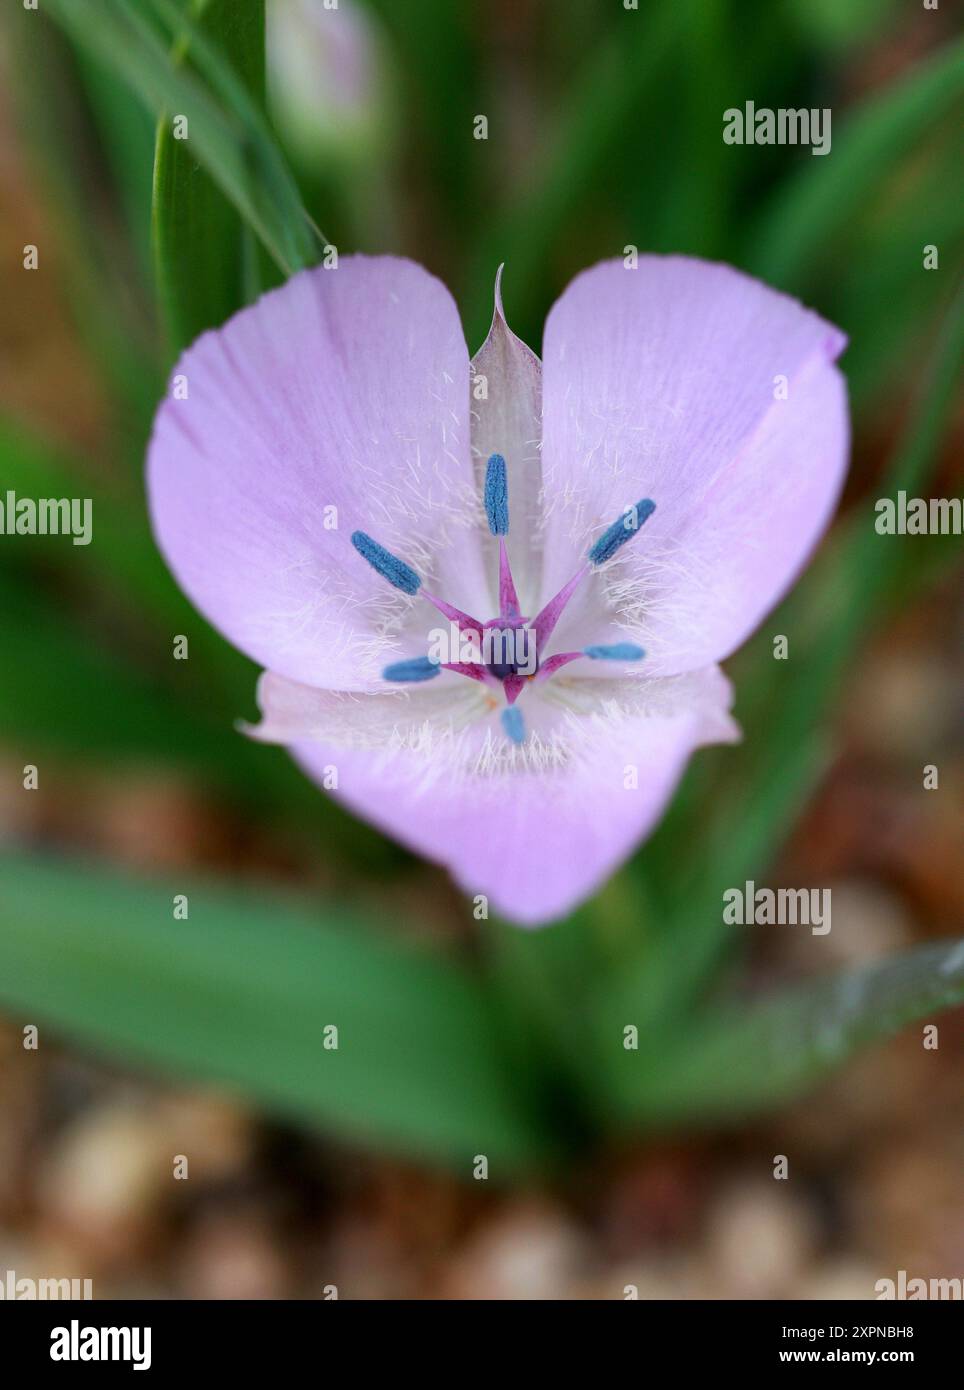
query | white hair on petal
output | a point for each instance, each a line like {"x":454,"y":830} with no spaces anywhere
{"x":446,"y":733}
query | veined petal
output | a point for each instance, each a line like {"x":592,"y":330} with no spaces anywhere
{"x":537,"y":833}
{"x":694,"y":385}
{"x":507,"y":420}
{"x":335,"y":403}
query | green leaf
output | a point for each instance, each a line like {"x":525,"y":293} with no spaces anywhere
{"x":759,"y":1054}
{"x":227,"y":133}
{"x":241,"y":993}
{"x":200,"y":242}
{"x":818,"y":203}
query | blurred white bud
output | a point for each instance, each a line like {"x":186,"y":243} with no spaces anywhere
{"x":325,"y":79}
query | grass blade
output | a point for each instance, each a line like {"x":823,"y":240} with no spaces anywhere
{"x":232,"y":142}
{"x":200,"y":253}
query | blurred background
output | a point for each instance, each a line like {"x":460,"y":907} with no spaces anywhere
{"x":462,"y":1040}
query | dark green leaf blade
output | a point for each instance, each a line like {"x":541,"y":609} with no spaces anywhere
{"x":242,"y":992}
{"x":199,"y":238}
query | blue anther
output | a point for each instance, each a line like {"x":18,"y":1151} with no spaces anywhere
{"x":497,"y":496}
{"x":514,"y":724}
{"x":615,"y":651}
{"x":621,"y":531}
{"x":417,"y":668}
{"x":386,"y":564}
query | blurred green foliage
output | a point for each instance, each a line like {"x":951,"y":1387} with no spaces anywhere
{"x":604,"y":131}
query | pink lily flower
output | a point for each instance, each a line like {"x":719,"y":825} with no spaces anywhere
{"x":335,"y":482}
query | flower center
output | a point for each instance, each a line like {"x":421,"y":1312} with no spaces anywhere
{"x":509,"y":648}
{"x":501,"y":669}
{"x":506,"y":651}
